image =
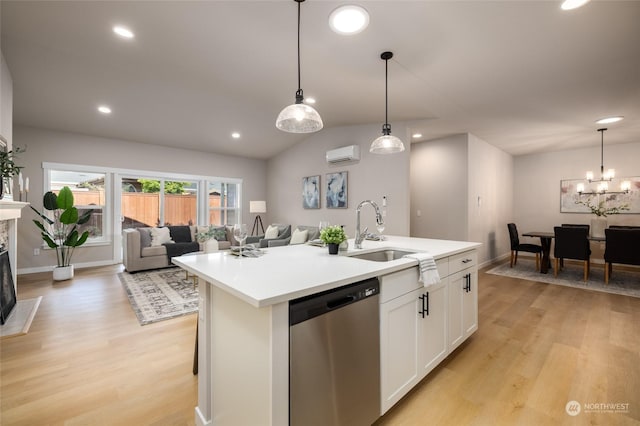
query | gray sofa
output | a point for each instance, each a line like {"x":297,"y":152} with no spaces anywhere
{"x":140,"y":255}
{"x":284,"y":232}
{"x":312,"y":234}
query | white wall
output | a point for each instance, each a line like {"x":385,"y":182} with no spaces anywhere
{"x":373,"y":177}
{"x":439,"y":179}
{"x":6,"y":103}
{"x":59,"y":147}
{"x":490,"y":198}
{"x":537,"y":183}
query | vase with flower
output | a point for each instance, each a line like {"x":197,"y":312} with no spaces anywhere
{"x":602,"y":208}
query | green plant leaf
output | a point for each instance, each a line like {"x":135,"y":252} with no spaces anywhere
{"x":85,"y":217}
{"x":65,"y":198}
{"x":69,"y":216}
{"x":47,"y":239}
{"x":50,"y":201}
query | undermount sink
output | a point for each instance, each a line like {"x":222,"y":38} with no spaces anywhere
{"x":385,"y":255}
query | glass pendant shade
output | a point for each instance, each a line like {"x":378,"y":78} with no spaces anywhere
{"x":386,"y":144}
{"x":299,"y":118}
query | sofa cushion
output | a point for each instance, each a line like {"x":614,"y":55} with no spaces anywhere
{"x":145,"y":237}
{"x":299,"y":236}
{"x":153,"y":251}
{"x":180,"y":234}
{"x":271,"y":232}
{"x":160,"y":236}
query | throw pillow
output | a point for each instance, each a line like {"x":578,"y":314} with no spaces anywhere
{"x":220,"y":233}
{"x":271,"y":232}
{"x":160,"y":236}
{"x":299,"y":237}
{"x":145,"y":237}
{"x":180,"y":234}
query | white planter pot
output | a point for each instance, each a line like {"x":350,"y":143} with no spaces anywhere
{"x":61,"y":273}
{"x":598,"y":225}
{"x":210,"y":245}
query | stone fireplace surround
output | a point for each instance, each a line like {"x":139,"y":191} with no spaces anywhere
{"x":10,"y":212}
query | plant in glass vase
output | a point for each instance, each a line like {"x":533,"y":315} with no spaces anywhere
{"x":602,"y":206}
{"x":8,"y":167}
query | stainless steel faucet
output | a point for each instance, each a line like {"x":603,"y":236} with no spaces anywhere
{"x":379,"y":220}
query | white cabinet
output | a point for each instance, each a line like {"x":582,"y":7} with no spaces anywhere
{"x":420,"y":326}
{"x":463,"y":298}
{"x":413,"y":336}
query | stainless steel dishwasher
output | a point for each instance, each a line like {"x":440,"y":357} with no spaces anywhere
{"x":334,"y":364}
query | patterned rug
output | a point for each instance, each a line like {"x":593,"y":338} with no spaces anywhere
{"x":160,"y":294}
{"x":621,"y":282}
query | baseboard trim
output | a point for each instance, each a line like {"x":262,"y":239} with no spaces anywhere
{"x":25,"y":271}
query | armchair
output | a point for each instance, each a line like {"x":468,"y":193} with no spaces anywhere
{"x":623,"y":246}
{"x":284,"y":232}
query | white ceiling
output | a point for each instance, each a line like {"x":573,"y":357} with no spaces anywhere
{"x":524,"y":76}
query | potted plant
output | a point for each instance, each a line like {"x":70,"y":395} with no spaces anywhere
{"x":332,"y":236}
{"x":61,"y":231}
{"x":209,"y":238}
{"x":8,"y":167}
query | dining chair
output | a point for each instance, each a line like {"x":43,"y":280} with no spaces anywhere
{"x":622,"y":246}
{"x":571,"y":243}
{"x":516,"y":247}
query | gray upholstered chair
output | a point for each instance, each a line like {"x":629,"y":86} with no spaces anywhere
{"x":312,"y":234}
{"x":284,"y":232}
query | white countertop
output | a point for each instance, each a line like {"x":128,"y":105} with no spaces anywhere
{"x":286,"y":273}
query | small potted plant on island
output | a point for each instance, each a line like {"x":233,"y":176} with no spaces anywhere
{"x":61,"y":231}
{"x":332,"y":236}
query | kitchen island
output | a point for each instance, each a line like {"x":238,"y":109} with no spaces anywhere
{"x":244,"y":325}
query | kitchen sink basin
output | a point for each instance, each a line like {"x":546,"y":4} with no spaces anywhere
{"x":385,"y":255}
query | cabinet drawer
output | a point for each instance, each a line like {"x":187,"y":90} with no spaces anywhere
{"x":462,"y":261}
{"x":402,"y":282}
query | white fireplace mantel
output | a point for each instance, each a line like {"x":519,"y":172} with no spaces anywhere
{"x":11,"y":209}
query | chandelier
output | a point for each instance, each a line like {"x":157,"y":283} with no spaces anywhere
{"x":605,"y":177}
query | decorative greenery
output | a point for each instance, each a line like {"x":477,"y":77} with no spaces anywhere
{"x":333,"y":234}
{"x":211,"y":232}
{"x":8,"y":167}
{"x":61,"y":232}
{"x":152,"y":185}
{"x":602,"y":209}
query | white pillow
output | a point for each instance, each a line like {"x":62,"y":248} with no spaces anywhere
{"x":299,"y":237}
{"x":160,"y":236}
{"x":272,"y":232}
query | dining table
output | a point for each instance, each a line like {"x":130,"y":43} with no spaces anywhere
{"x":545,"y":242}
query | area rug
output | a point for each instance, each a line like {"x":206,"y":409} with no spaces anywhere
{"x":160,"y":294}
{"x":20,"y":318}
{"x":622,"y":282}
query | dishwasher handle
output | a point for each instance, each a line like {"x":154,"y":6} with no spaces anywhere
{"x":336,"y":303}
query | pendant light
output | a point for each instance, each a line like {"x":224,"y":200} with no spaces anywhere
{"x":386,"y":144}
{"x":299,"y":117}
{"x":605,"y":177}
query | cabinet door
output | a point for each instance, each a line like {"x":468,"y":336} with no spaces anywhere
{"x":470,"y":304}
{"x":432,"y":327}
{"x":456,"y":286}
{"x":399,"y":366}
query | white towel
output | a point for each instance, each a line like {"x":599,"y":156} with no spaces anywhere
{"x":428,"y":269}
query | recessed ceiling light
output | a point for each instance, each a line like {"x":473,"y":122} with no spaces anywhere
{"x":235,"y":135}
{"x":417,"y":135}
{"x":609,"y":120}
{"x":573,"y":4}
{"x":104,"y":109}
{"x":309,"y":101}
{"x":349,"y":19}
{"x":123,"y":31}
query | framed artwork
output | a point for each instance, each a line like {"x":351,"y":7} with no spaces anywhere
{"x":311,"y":192}
{"x":569,"y":195}
{"x":336,"y":190}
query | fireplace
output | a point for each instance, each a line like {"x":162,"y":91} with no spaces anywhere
{"x":7,"y":290}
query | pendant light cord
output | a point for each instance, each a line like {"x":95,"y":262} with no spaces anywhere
{"x":601,"y":152}
{"x":299,"y":85}
{"x":386,"y":92}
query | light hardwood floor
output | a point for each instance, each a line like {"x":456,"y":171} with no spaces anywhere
{"x":86,"y":361}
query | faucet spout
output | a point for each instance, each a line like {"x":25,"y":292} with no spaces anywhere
{"x":379,"y":220}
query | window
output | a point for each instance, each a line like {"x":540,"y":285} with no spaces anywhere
{"x":88,"y":188}
{"x":224,"y":203}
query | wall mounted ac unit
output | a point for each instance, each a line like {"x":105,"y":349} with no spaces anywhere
{"x":346,"y":153}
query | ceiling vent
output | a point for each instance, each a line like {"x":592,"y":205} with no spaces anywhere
{"x":346,"y":153}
